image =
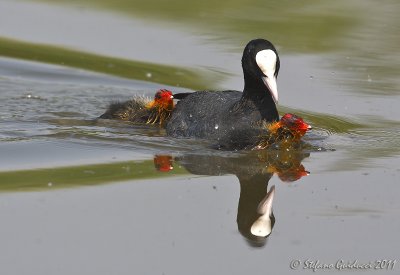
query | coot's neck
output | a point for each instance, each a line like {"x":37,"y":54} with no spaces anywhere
{"x":256,"y":92}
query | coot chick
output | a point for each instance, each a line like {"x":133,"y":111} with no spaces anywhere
{"x":232,"y":118}
{"x":288,"y":130}
{"x":142,"y":109}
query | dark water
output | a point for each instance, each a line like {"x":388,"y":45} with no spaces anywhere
{"x":82,"y":196}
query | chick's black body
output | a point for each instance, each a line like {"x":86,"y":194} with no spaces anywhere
{"x":231,"y":118}
{"x":133,"y":110}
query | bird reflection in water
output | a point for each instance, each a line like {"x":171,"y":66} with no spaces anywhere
{"x":254,"y":169}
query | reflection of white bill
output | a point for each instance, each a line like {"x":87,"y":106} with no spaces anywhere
{"x":262,"y":227}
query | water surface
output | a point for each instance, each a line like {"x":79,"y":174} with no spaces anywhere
{"x":84,"y":196}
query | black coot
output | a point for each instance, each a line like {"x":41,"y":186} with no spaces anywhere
{"x":231,"y":118}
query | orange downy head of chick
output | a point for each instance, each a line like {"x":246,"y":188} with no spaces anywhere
{"x":161,"y":107}
{"x":292,"y":123}
{"x":296,"y":125}
{"x":290,"y":128}
{"x":163,"y":100}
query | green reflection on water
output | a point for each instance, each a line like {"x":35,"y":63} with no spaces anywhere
{"x":364,"y":31}
{"x":169,"y":75}
{"x":75,"y":176}
{"x":331,"y":123}
{"x":300,"y":26}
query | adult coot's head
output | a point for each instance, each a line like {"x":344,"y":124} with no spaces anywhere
{"x":261,"y":64}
